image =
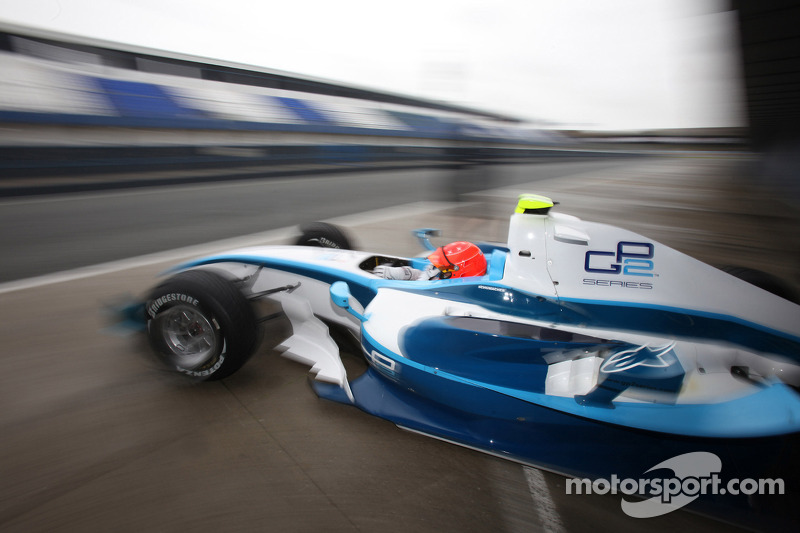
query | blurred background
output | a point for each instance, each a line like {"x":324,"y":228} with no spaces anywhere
{"x":136,"y":133}
{"x":117,"y":94}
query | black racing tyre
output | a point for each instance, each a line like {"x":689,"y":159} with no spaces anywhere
{"x":763,"y":280}
{"x":323,"y":235}
{"x":201,"y":325}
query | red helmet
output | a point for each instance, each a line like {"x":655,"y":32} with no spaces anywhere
{"x":458,"y":260}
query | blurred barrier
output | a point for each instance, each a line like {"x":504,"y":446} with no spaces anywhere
{"x":37,"y":161}
{"x":82,"y":115}
{"x":41,"y":92}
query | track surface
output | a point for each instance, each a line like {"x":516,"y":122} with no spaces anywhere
{"x":96,"y":438}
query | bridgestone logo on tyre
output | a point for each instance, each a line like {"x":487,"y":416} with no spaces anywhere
{"x":152,"y":310}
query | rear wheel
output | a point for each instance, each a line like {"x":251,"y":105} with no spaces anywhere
{"x":763,"y":280}
{"x":323,"y":235}
{"x":201,"y":325}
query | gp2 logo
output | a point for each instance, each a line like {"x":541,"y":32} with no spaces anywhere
{"x":631,"y":258}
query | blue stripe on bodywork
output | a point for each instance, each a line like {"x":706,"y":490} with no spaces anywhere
{"x":664,"y":320}
{"x":658,"y":320}
{"x":362,"y":288}
{"x":513,"y":355}
{"x":473,"y":347}
{"x":773,"y":410}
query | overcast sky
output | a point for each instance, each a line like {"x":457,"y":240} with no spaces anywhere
{"x":611,"y":64}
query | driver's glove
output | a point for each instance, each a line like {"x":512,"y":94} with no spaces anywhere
{"x":402,"y":273}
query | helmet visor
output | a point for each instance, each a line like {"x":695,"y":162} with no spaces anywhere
{"x":440,"y":260}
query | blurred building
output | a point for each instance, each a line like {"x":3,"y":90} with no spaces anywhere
{"x":770,"y":51}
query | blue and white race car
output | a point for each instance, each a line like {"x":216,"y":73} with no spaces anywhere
{"x":579,"y":336}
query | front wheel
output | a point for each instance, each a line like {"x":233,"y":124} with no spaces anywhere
{"x":201,"y":325}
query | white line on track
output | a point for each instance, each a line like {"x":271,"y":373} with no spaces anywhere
{"x":545,"y":506}
{"x":276,"y":236}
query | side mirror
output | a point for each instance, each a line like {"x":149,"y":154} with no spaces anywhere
{"x":340,"y":295}
{"x":424,"y":235}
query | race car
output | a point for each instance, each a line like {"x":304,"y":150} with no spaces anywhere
{"x":578,"y":334}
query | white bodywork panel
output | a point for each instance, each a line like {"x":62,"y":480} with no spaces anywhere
{"x":311,"y":343}
{"x":548,"y":256}
{"x":572,"y":377}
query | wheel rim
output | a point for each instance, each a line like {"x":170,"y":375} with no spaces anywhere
{"x":189,"y":336}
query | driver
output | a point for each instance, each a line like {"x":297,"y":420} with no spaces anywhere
{"x":455,"y":260}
